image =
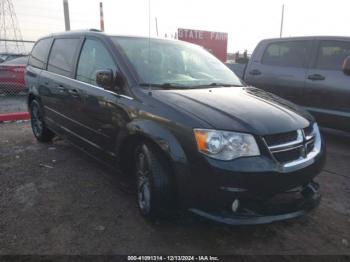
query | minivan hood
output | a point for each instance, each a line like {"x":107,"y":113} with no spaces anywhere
{"x":242,"y":109}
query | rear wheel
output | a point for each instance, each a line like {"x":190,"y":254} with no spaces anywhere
{"x":155,"y":189}
{"x":40,"y":131}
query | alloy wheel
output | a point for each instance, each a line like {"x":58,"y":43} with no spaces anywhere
{"x":36,"y":120}
{"x":143,"y":183}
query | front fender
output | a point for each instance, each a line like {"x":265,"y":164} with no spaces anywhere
{"x":161,"y":136}
{"x":170,"y":146}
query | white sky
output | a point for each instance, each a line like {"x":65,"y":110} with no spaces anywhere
{"x":245,"y":21}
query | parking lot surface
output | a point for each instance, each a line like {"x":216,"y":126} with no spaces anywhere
{"x":56,"y":200}
{"x":12,"y":103}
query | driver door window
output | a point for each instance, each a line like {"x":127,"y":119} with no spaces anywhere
{"x":94,"y":56}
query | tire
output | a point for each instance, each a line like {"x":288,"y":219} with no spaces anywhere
{"x":154,"y":185}
{"x":40,"y":131}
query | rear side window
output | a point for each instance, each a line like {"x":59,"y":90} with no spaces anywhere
{"x":61,"y":58}
{"x":39,"y":53}
{"x":290,"y":54}
{"x":94,"y":56}
{"x":331,"y":54}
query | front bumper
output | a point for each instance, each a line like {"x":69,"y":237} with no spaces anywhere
{"x":291,"y":204}
{"x":265,"y":193}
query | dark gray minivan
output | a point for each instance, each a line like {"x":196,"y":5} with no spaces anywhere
{"x":188,"y":134}
{"x":310,"y":71}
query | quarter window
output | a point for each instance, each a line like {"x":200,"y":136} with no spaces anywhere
{"x":39,"y":53}
{"x":331,"y":54}
{"x":62,"y":56}
{"x":93,"y":57}
{"x":289,"y":54}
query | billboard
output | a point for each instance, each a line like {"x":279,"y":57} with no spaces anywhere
{"x":214,"y":42}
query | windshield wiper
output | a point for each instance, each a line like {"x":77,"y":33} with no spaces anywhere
{"x":169,"y":86}
{"x":165,"y":85}
{"x":218,"y":84}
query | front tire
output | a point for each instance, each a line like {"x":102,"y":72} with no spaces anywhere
{"x":40,"y":131}
{"x":155,"y":188}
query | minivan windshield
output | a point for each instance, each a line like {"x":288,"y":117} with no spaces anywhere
{"x":175,"y":64}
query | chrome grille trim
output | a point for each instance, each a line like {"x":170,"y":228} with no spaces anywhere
{"x":289,"y":145}
{"x":286,"y":149}
{"x":309,"y":137}
{"x":302,"y":141}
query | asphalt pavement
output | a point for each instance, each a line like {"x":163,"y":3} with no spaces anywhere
{"x":56,"y":200}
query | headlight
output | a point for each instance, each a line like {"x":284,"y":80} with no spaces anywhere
{"x":225,"y":145}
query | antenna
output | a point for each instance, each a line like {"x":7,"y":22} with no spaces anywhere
{"x":11,"y":40}
{"x":149,"y":43}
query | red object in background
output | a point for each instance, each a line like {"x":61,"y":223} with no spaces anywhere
{"x":12,"y":75}
{"x":14,"y":116}
{"x":214,"y":42}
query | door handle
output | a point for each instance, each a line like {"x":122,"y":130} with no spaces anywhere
{"x":255,"y":72}
{"x":316,"y":77}
{"x":73,"y":92}
{"x":61,"y":88}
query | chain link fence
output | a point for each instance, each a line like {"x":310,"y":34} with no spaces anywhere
{"x":13,"y":91}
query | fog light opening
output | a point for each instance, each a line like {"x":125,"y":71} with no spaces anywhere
{"x":235,"y":205}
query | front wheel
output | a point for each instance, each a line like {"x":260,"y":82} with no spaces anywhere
{"x":155,"y":188}
{"x":40,"y":131}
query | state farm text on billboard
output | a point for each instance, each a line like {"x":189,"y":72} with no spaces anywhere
{"x":214,"y":42}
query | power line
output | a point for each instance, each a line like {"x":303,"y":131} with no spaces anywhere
{"x":9,"y":28}
{"x":14,"y":40}
{"x":51,"y":17}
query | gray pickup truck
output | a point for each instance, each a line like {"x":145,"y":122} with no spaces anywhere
{"x":313,"y":72}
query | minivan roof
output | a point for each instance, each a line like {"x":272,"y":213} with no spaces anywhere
{"x":309,"y":38}
{"x":95,"y":32}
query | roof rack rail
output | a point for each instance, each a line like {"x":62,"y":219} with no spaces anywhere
{"x":94,"y":30}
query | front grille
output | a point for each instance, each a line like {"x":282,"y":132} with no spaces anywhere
{"x":291,"y":146}
{"x":277,"y":139}
{"x":310,"y":146}
{"x":293,"y":149}
{"x":310,"y":137}
{"x":288,"y":156}
{"x":308,"y":131}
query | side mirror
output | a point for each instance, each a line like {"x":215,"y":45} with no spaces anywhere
{"x":119,"y":81}
{"x":105,"y":78}
{"x":346,"y":66}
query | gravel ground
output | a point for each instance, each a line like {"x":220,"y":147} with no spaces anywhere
{"x":13,"y":103}
{"x":56,"y":200}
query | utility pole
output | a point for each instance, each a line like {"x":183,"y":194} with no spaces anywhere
{"x":66,"y":15}
{"x":157,"y":26}
{"x":282,"y":18}
{"x":102,"y":21}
